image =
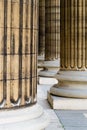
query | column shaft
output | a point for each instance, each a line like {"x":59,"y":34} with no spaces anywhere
{"x":18,"y":53}
{"x":52,"y":29}
{"x":41,"y":46}
{"x":73,"y":35}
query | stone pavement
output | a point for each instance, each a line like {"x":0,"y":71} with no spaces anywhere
{"x":60,"y":119}
{"x":42,"y":100}
{"x":73,"y":120}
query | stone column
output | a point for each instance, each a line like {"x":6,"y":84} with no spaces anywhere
{"x":73,"y":41}
{"x":41,"y":44}
{"x":52,"y":38}
{"x":18,"y":71}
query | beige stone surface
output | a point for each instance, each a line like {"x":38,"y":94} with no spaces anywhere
{"x":64,"y":103}
{"x":73,"y":64}
{"x":73,"y":35}
{"x":52,"y":44}
{"x":50,"y":68}
{"x":18,"y":52}
{"x":41,"y":44}
{"x":55,"y":123}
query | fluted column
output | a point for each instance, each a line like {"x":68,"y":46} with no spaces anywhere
{"x":52,"y":38}
{"x":73,"y":41}
{"x":52,"y":30}
{"x":18,"y":41}
{"x":41,"y":47}
{"x":41,"y":43}
{"x":18,"y":66}
{"x":73,"y":35}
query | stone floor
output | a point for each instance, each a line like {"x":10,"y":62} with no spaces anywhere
{"x":42,"y":100}
{"x":60,"y":119}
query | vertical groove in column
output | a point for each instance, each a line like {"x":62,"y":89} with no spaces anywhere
{"x":75,"y":29}
{"x":27,"y":40}
{"x":73,"y":42}
{"x":18,"y":53}
{"x":20,"y":47}
{"x":85,"y":36}
{"x":72,"y":34}
{"x":52,"y":30}
{"x":35,"y":49}
{"x":5,"y":52}
{"x":65,"y":31}
{"x":68,"y":31}
{"x":2,"y":95}
{"x":14,"y":50}
{"x":62,"y":21}
{"x":79,"y":33}
{"x":41,"y":45}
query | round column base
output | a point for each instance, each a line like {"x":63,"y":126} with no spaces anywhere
{"x":50,"y":68}
{"x":48,"y":73}
{"x":40,"y":61}
{"x":30,"y":118}
{"x":71,"y":84}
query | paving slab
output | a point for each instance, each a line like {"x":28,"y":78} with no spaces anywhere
{"x":73,"y":120}
{"x":75,"y":128}
{"x":44,"y":103}
{"x":54,"y":126}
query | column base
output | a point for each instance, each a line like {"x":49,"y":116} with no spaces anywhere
{"x":64,"y":103}
{"x":30,"y":118}
{"x":48,"y":73}
{"x":50,"y":68}
{"x":40,"y":61}
{"x":71,"y":84}
{"x":47,"y":81}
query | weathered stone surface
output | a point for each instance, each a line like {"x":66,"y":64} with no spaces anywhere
{"x":73,"y":64}
{"x":41,"y":45}
{"x":52,"y":45}
{"x":18,"y":53}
